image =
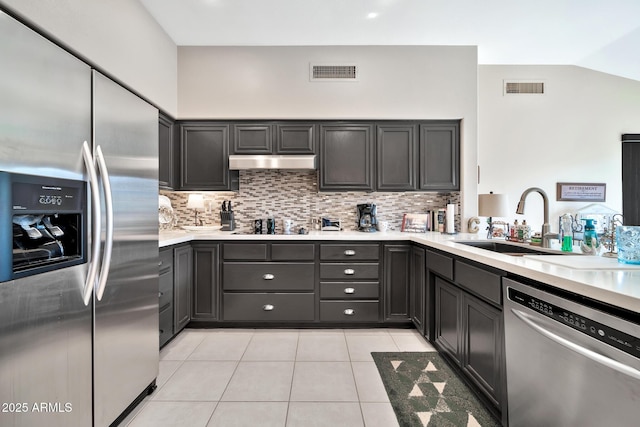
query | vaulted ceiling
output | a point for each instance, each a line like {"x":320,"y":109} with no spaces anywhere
{"x":597,"y":34}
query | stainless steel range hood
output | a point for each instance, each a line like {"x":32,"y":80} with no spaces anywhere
{"x":295,"y":161}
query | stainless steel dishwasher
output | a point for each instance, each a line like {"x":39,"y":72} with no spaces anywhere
{"x":568,"y":364}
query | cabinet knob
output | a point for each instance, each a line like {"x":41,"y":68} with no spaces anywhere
{"x":268,"y":307}
{"x":349,"y":252}
{"x":268,"y":276}
{"x":160,"y":294}
{"x":349,"y":271}
{"x":349,"y":291}
{"x":349,"y":312}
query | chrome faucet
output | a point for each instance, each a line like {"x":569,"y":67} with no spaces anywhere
{"x":546,"y":227}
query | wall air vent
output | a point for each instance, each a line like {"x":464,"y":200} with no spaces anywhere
{"x":518,"y":87}
{"x":330,"y":73}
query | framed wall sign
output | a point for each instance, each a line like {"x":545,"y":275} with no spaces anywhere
{"x":581,"y":192}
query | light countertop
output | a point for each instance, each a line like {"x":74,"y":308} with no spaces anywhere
{"x":599,"y":278}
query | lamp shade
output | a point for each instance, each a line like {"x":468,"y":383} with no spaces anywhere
{"x":195,"y":201}
{"x":493,"y":205}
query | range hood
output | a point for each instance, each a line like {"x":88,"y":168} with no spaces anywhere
{"x":259,"y":161}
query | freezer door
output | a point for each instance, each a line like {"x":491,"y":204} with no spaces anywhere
{"x":126,"y":317}
{"x":45,"y":327}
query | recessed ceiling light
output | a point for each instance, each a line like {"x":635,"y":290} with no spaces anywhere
{"x":372,"y":15}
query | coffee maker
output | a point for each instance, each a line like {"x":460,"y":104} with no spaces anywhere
{"x":367,"y":220}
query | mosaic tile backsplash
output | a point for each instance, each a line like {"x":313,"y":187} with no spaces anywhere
{"x":294,"y":195}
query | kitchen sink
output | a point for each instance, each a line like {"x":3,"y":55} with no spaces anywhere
{"x":513,"y":249}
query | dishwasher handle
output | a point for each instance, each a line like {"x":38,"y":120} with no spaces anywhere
{"x":590,"y":354}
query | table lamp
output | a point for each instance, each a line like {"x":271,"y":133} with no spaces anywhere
{"x":492,"y":205}
{"x":196,"y":202}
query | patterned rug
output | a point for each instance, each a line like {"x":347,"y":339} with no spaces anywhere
{"x":424,"y":391}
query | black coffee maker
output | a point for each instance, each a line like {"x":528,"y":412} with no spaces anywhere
{"x":367,"y":220}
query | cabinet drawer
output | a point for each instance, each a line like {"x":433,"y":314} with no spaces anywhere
{"x":293,"y":252}
{"x":165,"y":300}
{"x":268,"y":307}
{"x":268,"y":276}
{"x":478,"y":281}
{"x":166,"y":325}
{"x":346,"y":252}
{"x":441,"y":264}
{"x":349,"y":311}
{"x":349,"y":271}
{"x":245,"y":251}
{"x":350,"y":290}
{"x":166,"y":260}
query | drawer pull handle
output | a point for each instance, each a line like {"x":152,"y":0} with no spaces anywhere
{"x":349,"y":312}
{"x":349,"y":252}
{"x":349,"y":271}
{"x":268,"y":307}
{"x":268,"y":276}
{"x":349,"y":291}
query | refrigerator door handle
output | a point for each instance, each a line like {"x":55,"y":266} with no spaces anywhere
{"x":108,"y":202}
{"x":96,"y":223}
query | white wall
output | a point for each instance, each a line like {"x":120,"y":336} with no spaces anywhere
{"x":119,"y":36}
{"x":396,"y":82}
{"x":569,"y":134}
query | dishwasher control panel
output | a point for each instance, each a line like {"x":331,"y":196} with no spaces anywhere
{"x":606,"y":334}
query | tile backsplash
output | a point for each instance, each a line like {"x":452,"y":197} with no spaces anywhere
{"x":294,"y":195}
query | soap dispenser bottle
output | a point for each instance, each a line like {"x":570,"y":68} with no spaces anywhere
{"x":590,"y":243}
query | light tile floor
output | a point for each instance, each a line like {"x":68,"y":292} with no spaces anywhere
{"x":273,"y":378}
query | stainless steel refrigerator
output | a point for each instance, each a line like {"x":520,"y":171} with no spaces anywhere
{"x":78,"y":341}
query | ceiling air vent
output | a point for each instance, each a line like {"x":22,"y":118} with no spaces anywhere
{"x":517,"y":87}
{"x":327,"y":73}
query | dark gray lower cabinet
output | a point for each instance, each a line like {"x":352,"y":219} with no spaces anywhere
{"x":165,"y":295}
{"x":397,"y":267}
{"x":418,"y":285}
{"x":269,"y":282}
{"x":206,"y":281}
{"x":183,"y":276}
{"x":447,"y":318}
{"x":469,"y":328}
{"x":482,"y":346}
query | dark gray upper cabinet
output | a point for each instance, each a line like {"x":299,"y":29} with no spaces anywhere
{"x":295,"y":138}
{"x":440,"y":156}
{"x":167,"y":153}
{"x":273,"y":138}
{"x":204,"y":152}
{"x":252,"y":138}
{"x":397,"y":158}
{"x":346,"y":157}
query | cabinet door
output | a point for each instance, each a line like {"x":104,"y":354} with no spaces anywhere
{"x":417,"y":288}
{"x":206,"y":282}
{"x":482,"y":342}
{"x":440,"y":156}
{"x":252,"y":138}
{"x":397,"y":262}
{"x":204,"y":150}
{"x":397,"y":160}
{"x":448,"y":322}
{"x":346,"y":157}
{"x":183,"y":273}
{"x":165,"y":295}
{"x":296,"y":138}
{"x":167,"y":155}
